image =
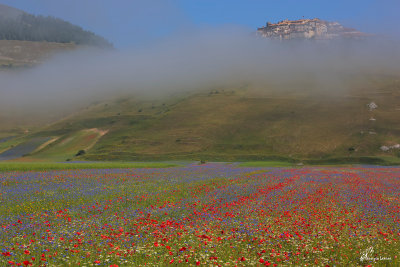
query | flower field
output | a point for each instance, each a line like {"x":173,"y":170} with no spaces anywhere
{"x":208,"y":215}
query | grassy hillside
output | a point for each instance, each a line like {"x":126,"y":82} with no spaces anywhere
{"x":246,"y":123}
{"x":14,"y":53}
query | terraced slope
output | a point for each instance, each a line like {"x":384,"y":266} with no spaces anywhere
{"x":22,"y":149}
{"x":68,"y":146}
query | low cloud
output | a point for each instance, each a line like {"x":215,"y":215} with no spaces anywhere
{"x":187,"y":61}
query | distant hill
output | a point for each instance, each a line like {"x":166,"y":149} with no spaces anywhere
{"x":19,"y":25}
{"x":242,"y":123}
{"x":7,"y":12}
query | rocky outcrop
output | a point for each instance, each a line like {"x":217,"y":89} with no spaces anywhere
{"x":307,"y":29}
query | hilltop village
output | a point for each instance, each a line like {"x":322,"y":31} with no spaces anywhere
{"x":307,"y":29}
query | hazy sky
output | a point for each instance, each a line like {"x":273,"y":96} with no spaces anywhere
{"x":128,"y":23}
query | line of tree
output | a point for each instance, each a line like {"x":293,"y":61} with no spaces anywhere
{"x":39,"y":28}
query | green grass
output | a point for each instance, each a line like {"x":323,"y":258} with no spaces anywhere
{"x":382,"y":161}
{"x":339,"y":161}
{"x":45,"y":166}
{"x":266,"y":164}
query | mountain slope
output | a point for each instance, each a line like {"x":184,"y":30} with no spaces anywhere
{"x":18,"y":25}
{"x":26,"y":40}
{"x":7,"y":12}
{"x":246,"y":123}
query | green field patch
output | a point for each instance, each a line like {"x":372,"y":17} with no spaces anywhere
{"x":380,"y":161}
{"x":23,"y":149}
{"x":7,"y":143}
{"x":68,"y":147}
{"x":44,"y":166}
{"x":266,"y":164}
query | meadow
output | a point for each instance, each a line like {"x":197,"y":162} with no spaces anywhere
{"x":44,"y":166}
{"x":201,"y":215}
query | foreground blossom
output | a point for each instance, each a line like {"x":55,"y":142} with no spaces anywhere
{"x":212,"y":214}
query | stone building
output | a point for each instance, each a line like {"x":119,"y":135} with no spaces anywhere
{"x":307,"y":29}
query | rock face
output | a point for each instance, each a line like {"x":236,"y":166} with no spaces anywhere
{"x":307,"y":29}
